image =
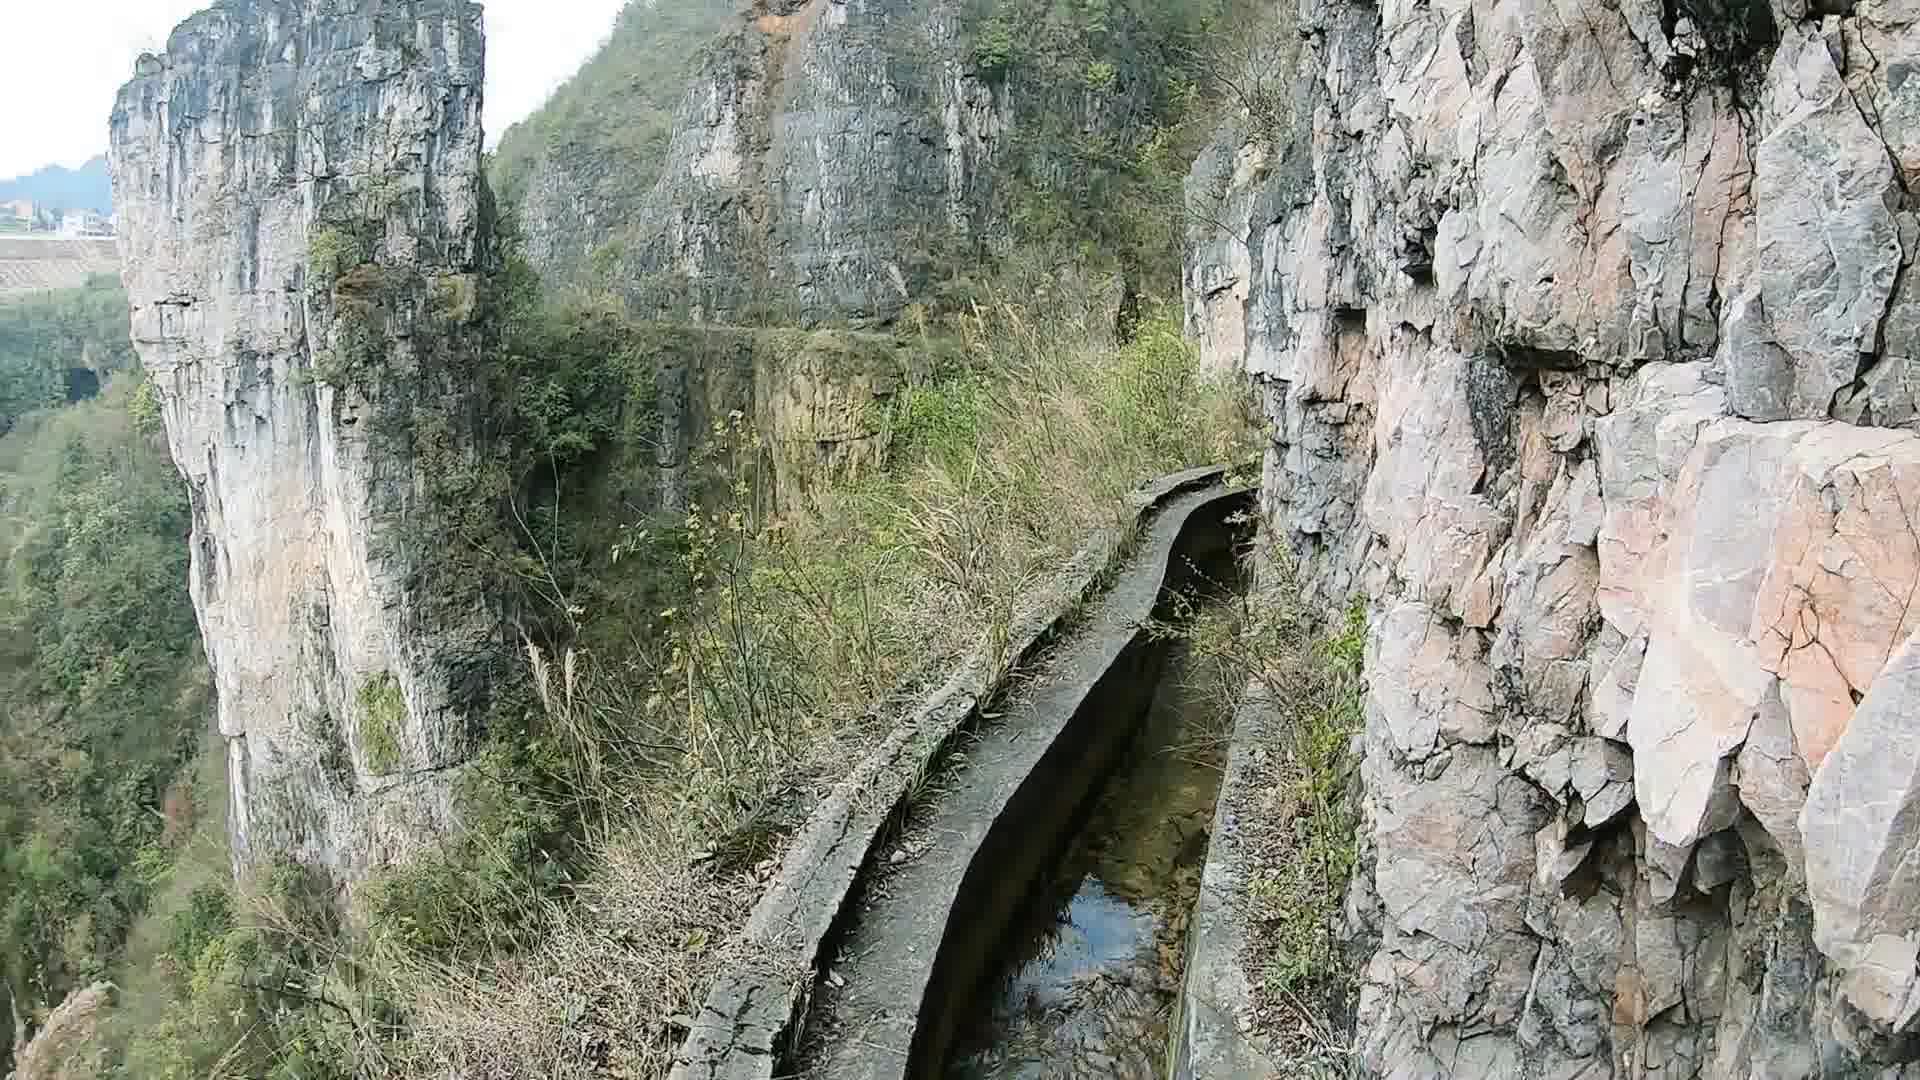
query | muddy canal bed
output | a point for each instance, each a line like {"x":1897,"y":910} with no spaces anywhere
{"x":1088,"y":984}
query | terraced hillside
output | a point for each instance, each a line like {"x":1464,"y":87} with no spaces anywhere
{"x":33,"y":263}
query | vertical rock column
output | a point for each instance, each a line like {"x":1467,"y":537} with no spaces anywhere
{"x":303,"y":227}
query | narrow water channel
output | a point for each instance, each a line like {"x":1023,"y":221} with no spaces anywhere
{"x":1089,"y":981}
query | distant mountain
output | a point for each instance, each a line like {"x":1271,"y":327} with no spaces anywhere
{"x":85,"y":188}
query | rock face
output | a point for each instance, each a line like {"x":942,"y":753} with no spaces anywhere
{"x":823,"y":151}
{"x":816,"y":403}
{"x":827,"y":148}
{"x":576,"y":170}
{"x":831,"y":160}
{"x":1587,"y":333}
{"x":304,"y":226}
{"x":65,"y":1047}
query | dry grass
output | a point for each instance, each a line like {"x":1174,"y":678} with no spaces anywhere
{"x":600,"y":996}
{"x":66,"y":1043}
{"x":764,"y":691}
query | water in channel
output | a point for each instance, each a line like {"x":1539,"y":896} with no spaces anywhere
{"x":1094,"y":969}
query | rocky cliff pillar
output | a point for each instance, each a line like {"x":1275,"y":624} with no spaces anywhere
{"x":304,"y":231}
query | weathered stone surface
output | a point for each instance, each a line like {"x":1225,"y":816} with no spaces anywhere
{"x":1828,"y":251}
{"x":823,"y":151}
{"x":67,"y":1045}
{"x":1863,"y":850}
{"x":830,"y":160}
{"x":302,"y":219}
{"x":1586,"y":334}
{"x":821,"y":406}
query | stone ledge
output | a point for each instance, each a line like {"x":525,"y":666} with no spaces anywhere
{"x":1212,"y":1034}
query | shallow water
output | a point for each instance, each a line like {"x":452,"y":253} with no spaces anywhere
{"x":1090,"y":980}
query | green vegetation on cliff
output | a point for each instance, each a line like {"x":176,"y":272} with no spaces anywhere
{"x":702,"y":729}
{"x":1111,"y":105}
{"x":611,"y":121}
{"x":693,"y":673}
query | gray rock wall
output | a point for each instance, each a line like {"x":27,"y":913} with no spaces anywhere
{"x":304,"y":227}
{"x":1585,"y":334}
{"x":833,"y":159}
{"x":825,"y":151}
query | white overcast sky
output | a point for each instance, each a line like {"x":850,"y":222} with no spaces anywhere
{"x":62,"y":60}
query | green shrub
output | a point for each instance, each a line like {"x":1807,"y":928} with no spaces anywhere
{"x":383,"y":723}
{"x":994,"y":47}
{"x":331,"y":252}
{"x":941,"y":420}
{"x":105,"y":692}
{"x":689,"y":728}
{"x":207,"y":917}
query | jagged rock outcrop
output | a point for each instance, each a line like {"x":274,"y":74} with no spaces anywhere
{"x":815,"y":404}
{"x":831,"y":161}
{"x":1587,"y":332}
{"x":304,"y":233}
{"x":575,"y":171}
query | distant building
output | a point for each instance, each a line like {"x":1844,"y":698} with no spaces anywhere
{"x":85,"y":223}
{"x":16,"y":215}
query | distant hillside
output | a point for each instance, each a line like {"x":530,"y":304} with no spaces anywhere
{"x":30,"y":264}
{"x":85,"y":188}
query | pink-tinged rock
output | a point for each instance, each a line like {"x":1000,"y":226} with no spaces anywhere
{"x":1775,"y":569}
{"x":1772,"y":776}
{"x":1455,"y":863}
{"x":1425,"y":446}
{"x":1642,"y":446}
{"x":1548,"y":613}
{"x":1447,"y":556}
{"x":1702,"y":681}
{"x":1585,"y":509}
{"x":1429,"y":685}
{"x":1845,"y":572}
{"x":1861,"y":824}
{"x":1610,"y":698}
{"x":1690,"y":712}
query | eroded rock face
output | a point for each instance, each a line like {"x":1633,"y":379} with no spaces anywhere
{"x":304,"y":227}
{"x":825,"y":150}
{"x":1586,"y":335}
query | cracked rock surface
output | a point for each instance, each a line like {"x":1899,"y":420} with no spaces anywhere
{"x":1586,"y":332}
{"x":303,"y":225}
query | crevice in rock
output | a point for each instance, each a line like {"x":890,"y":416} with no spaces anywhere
{"x":1540,"y":358}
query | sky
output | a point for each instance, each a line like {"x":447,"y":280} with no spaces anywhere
{"x":61,"y":61}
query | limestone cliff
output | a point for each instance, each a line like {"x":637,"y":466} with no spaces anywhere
{"x":825,"y":151}
{"x":829,"y":161}
{"x":303,"y":229}
{"x":1587,"y":334}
